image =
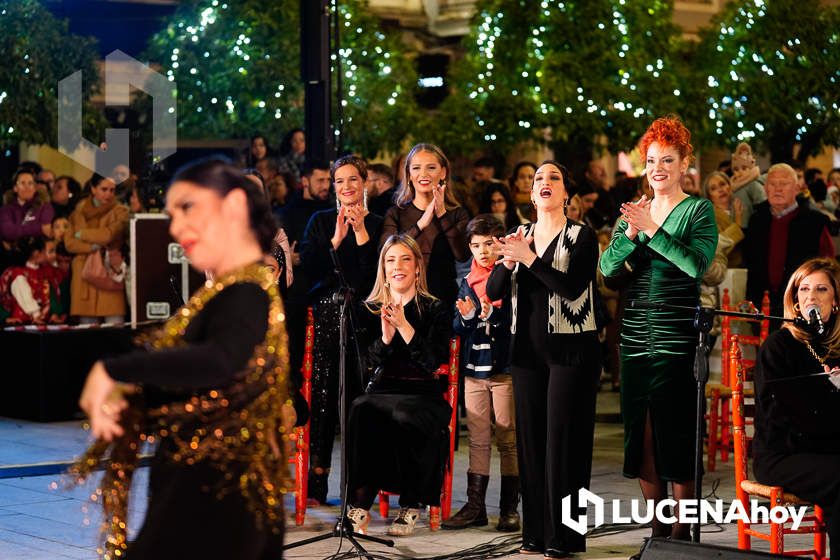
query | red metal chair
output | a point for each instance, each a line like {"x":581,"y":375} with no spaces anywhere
{"x":744,"y":487}
{"x":301,"y":434}
{"x":450,"y":372}
{"x":719,"y":394}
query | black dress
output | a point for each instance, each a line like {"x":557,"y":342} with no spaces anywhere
{"x":398,"y":435}
{"x":555,"y":379}
{"x":358,"y":264}
{"x":185,"y":518}
{"x":784,"y":453}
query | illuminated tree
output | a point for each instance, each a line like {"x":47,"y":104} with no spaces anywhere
{"x":38,"y":52}
{"x":584,"y":72}
{"x":236,"y":65}
{"x":771,"y":75}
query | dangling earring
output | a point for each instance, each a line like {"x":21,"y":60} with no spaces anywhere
{"x":835,"y":308}
{"x":337,"y":204}
{"x":364,"y":199}
{"x":566,"y":203}
{"x":416,"y":278}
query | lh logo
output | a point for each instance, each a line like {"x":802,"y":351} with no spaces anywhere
{"x":121,"y":72}
{"x":584,"y":497}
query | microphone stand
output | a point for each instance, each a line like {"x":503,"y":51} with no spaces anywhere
{"x":343,"y":528}
{"x":703,"y":321}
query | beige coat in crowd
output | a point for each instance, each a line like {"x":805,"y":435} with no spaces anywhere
{"x":105,"y":226}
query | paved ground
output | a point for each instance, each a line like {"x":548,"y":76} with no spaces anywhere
{"x":39,"y":519}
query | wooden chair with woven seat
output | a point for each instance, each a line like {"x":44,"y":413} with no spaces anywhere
{"x":449,"y":372}
{"x":719,"y":394}
{"x":300,"y":435}
{"x":744,"y":487}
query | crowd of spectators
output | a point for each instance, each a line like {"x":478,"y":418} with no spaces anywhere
{"x":63,"y":256}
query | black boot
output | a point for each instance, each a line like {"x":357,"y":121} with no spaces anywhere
{"x":508,"y":502}
{"x":474,"y":512}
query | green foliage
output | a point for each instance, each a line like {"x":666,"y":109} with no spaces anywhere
{"x":38,"y":52}
{"x":582,"y":68}
{"x":237,"y":69}
{"x":378,"y":81}
{"x":770,"y":72}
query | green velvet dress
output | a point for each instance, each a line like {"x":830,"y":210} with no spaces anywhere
{"x":657,"y":347}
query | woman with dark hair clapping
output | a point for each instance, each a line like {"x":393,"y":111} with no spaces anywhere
{"x":351,"y":233}
{"x":548,"y":271}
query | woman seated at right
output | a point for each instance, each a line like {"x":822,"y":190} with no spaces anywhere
{"x":803,"y":465}
{"x":398,"y":434}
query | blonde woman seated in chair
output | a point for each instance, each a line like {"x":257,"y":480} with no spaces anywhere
{"x":787,"y":454}
{"x":397,"y":432}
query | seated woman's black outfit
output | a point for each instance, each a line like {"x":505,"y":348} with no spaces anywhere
{"x":397,"y":435}
{"x":784,"y":453}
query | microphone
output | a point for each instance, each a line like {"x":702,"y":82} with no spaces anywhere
{"x":374,"y":379}
{"x":815,"y":319}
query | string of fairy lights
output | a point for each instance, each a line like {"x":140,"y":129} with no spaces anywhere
{"x":527,"y":78}
{"x":364,"y":47}
{"x":196,"y":53}
{"x":730,"y":112}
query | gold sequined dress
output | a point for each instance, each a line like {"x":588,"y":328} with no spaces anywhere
{"x":213,"y":380}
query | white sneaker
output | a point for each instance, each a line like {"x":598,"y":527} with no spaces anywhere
{"x":404,"y":524}
{"x":360,"y":518}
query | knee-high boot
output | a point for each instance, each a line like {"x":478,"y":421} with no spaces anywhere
{"x":474,"y":512}
{"x":508,"y":504}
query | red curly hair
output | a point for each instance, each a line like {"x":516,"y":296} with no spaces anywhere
{"x":668,"y":131}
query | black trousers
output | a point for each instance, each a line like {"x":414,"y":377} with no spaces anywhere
{"x":812,"y":477}
{"x":555,"y":427}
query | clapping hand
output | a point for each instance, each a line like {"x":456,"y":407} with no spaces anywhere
{"x":637,"y":215}
{"x":516,"y":247}
{"x":341,"y":227}
{"x":388,"y":330}
{"x":486,"y":306}
{"x":427,"y":216}
{"x":355,"y":216}
{"x":465,"y":306}
{"x":438,"y":192}
{"x":394,"y":313}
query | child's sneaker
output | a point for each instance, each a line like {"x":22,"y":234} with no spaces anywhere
{"x":404,"y":524}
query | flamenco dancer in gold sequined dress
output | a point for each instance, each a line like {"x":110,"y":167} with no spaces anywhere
{"x":208,"y":389}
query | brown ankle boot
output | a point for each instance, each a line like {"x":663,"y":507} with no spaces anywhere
{"x":508,"y":503}
{"x":474,"y":512}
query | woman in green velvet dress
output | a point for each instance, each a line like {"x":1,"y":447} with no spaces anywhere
{"x":668,"y":243}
